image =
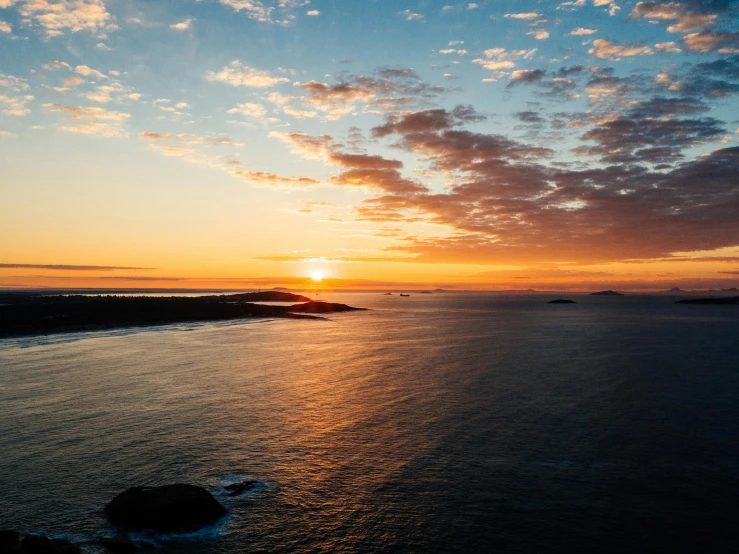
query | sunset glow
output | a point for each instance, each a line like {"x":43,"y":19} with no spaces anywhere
{"x":230,"y":144}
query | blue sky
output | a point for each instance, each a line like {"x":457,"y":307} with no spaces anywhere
{"x":371,"y":137}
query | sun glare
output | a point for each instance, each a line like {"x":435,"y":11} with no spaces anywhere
{"x":317,"y":276}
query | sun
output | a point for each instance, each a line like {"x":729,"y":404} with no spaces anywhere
{"x":317,"y":276}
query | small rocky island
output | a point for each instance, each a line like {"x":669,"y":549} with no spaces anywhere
{"x":561,"y":301}
{"x":168,"y":509}
{"x":723,"y":300}
{"x":36,"y":313}
{"x":606,"y":293}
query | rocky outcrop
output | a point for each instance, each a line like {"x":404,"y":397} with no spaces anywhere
{"x":12,"y":543}
{"x":238,"y":488}
{"x":167,"y":509}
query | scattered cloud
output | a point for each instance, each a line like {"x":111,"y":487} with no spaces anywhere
{"x":527,"y":15}
{"x":411,"y":16}
{"x":280,"y":12}
{"x":91,"y":120}
{"x":610,"y":50}
{"x":539,"y":34}
{"x":55,"y":17}
{"x":237,"y":74}
{"x":581,"y":31}
{"x":252,"y":110}
{"x":182,"y":25}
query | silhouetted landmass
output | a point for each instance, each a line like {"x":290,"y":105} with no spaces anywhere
{"x":167,"y":509}
{"x":606,"y":293}
{"x":264,"y":296}
{"x":561,"y":301}
{"x":38,"y":314}
{"x":722,"y":300}
{"x":676,"y":291}
{"x":11,"y":542}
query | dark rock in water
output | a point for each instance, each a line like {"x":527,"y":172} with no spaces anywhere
{"x":9,"y":542}
{"x":168,"y":509}
{"x":119,"y":545}
{"x":8,"y":536}
{"x":561,"y":301}
{"x":238,"y":488}
{"x":606,"y":293}
{"x":35,"y":544}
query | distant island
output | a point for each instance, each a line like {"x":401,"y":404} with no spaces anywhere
{"x":677,"y":291}
{"x":36,"y":313}
{"x":606,"y":293}
{"x":561,"y":301}
{"x":722,"y":300}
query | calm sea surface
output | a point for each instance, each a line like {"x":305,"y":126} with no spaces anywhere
{"x":435,"y":423}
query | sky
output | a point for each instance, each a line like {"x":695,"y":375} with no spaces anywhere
{"x":369,"y":144}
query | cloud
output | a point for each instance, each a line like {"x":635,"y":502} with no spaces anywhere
{"x":237,"y":74}
{"x":57,"y":65}
{"x":667,"y":47}
{"x":648,"y":139}
{"x":710,"y":42}
{"x":14,"y":104}
{"x":717,"y":79}
{"x":527,"y":76}
{"x":390,"y":90}
{"x":500,"y":59}
{"x":92,"y":120}
{"x":609,"y":50}
{"x":356,"y":170}
{"x":195,"y":149}
{"x":57,"y":16}
{"x":539,"y":34}
{"x":256,"y":111}
{"x":5,"y":27}
{"x":527,"y":15}
{"x":411,"y":16}
{"x":262,"y":178}
{"x":313,"y":13}
{"x":580,"y":31}
{"x":505,"y":204}
{"x":685,"y":20}
{"x":299,"y":114}
{"x":59,"y":267}
{"x":16,"y":84}
{"x":87,"y":71}
{"x":182,"y":25}
{"x":529,"y":117}
{"x":280,"y":12}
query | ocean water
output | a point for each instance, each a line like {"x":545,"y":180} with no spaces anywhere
{"x":435,"y":423}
